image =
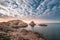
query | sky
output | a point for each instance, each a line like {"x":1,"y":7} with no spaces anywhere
{"x":31,"y":9}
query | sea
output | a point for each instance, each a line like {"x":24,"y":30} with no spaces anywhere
{"x":50,"y":32}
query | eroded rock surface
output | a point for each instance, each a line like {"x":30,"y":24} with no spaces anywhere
{"x":25,"y":35}
{"x":6,"y":26}
{"x":19,"y":23}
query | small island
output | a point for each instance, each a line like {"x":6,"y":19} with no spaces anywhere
{"x":32,"y":24}
{"x":42,"y":25}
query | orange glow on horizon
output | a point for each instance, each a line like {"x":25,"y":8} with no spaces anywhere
{"x":6,"y":19}
{"x":25,"y":20}
{"x":29,"y":20}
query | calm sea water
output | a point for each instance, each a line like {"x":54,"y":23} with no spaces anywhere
{"x":51,"y":32}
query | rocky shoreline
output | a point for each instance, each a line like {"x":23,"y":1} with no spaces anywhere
{"x":7,"y":28}
{"x":22,"y":34}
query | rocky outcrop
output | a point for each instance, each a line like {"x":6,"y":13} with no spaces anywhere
{"x":5,"y":23}
{"x":25,"y":35}
{"x":43,"y":25}
{"x":4,"y":36}
{"x":19,"y":23}
{"x":4,"y":26}
{"x":21,"y":34}
{"x":32,"y":23}
{"x":7,"y":26}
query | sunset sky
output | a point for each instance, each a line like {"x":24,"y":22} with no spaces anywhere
{"x":37,"y":10}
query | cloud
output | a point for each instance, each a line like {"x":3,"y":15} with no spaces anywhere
{"x":30,"y":8}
